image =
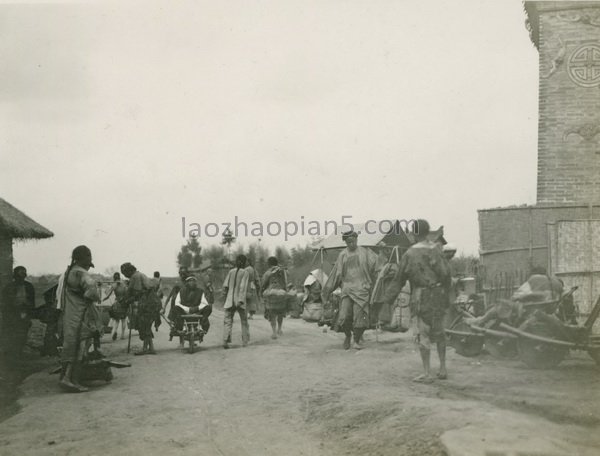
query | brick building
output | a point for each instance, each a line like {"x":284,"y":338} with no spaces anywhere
{"x":562,"y":231}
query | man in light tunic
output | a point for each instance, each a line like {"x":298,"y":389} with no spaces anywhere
{"x":235,"y":289}
{"x":355,"y":271}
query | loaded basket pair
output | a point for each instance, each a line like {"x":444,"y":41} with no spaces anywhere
{"x":95,"y":366}
{"x":278,"y":302}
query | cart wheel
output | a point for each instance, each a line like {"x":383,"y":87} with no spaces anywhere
{"x":502,"y":348}
{"x":468,"y":346}
{"x":192,"y":343}
{"x":539,"y":355}
{"x":595,"y":354}
{"x":108,"y":376}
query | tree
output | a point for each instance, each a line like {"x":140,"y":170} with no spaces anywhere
{"x":239,"y":250}
{"x":252,"y":254}
{"x":301,"y":256}
{"x":190,"y":254}
{"x":282,"y":255}
{"x":262,"y":253}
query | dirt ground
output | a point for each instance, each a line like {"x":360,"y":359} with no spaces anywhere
{"x":302,"y":394}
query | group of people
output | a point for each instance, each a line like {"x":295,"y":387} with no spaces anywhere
{"x":81,"y":321}
{"x":242,"y":291}
{"x":425,"y":266}
{"x":138,"y":298}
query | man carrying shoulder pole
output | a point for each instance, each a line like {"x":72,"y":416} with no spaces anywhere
{"x":427,"y":271}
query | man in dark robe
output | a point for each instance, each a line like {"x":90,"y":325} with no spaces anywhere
{"x":17,"y":305}
{"x":77,"y":293}
{"x":141,"y":292}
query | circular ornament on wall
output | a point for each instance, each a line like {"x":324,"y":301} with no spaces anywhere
{"x":583,"y":66}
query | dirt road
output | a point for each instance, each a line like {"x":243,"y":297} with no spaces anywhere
{"x":303,"y":395}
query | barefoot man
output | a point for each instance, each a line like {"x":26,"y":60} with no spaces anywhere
{"x":425,"y":268}
{"x":354,"y":271}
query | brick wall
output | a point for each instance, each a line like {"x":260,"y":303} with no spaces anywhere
{"x":569,"y":102}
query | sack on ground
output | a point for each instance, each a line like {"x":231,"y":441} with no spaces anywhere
{"x":36,"y":334}
{"x":313,"y":311}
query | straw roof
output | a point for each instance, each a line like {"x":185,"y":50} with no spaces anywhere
{"x":14,"y":224}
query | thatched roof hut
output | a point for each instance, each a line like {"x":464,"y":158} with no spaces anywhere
{"x":14,"y":224}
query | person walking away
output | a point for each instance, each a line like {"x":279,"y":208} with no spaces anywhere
{"x":118,"y":311}
{"x":235,"y":288}
{"x":77,"y":292}
{"x":142,"y":290}
{"x":252,"y":293}
{"x":354,"y":271}
{"x":273,"y":287}
{"x":425,"y":268}
{"x":17,"y":304}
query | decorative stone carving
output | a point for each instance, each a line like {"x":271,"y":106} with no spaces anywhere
{"x":584,"y":18}
{"x":558,"y":59}
{"x":587,"y":132}
{"x":583,"y":66}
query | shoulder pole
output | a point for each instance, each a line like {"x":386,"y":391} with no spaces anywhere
{"x":130,"y":322}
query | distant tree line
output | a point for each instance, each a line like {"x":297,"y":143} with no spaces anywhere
{"x":298,"y":261}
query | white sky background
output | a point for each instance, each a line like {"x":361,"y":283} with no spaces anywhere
{"x":117,"y":119}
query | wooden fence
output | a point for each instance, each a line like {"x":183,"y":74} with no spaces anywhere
{"x":500,"y":285}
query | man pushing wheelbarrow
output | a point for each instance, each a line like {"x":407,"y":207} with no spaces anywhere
{"x":189,"y":313}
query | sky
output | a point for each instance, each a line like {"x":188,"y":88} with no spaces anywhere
{"x":117,"y":119}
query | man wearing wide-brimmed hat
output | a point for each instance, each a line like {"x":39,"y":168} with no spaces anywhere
{"x":425,"y":268}
{"x":355,"y":271}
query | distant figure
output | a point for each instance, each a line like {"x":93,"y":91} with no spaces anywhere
{"x":50,"y":315}
{"x":77,"y":292}
{"x":142,"y":290}
{"x":118,"y":311}
{"x":274,"y":290}
{"x":158,"y":284}
{"x":425,"y":268}
{"x":17,"y":305}
{"x":253,"y":291}
{"x":449,"y":250}
{"x":235,"y":288}
{"x":355,"y":271}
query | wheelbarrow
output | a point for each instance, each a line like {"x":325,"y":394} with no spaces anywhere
{"x":468,"y":339}
{"x":192,"y":331}
{"x":543,"y":340}
{"x":465,"y":341}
